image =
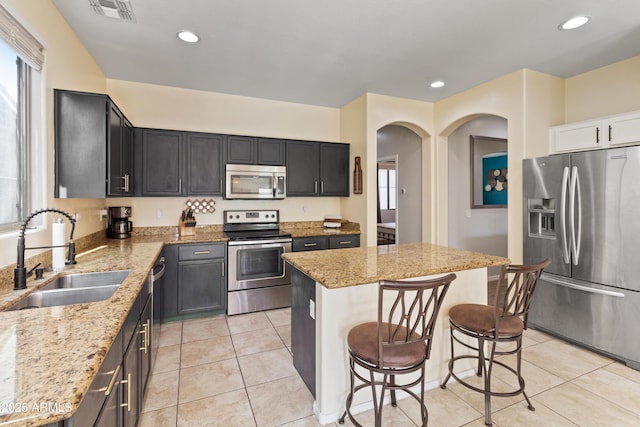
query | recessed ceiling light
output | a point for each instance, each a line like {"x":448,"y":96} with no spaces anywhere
{"x":437,"y":84}
{"x":188,"y":36}
{"x":575,"y":22}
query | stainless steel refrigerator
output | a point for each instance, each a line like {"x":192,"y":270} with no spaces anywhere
{"x":582,"y":210}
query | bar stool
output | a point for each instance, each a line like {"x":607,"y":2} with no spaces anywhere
{"x":398,"y":343}
{"x":504,"y":322}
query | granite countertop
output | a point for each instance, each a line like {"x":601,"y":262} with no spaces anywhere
{"x":49,"y":356}
{"x":355,"y":266}
{"x":297,"y":232}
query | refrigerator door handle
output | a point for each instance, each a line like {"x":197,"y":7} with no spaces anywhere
{"x":575,"y":201}
{"x":563,"y":215}
{"x":567,"y":284}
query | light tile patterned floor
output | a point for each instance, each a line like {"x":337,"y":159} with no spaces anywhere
{"x":238,"y":371}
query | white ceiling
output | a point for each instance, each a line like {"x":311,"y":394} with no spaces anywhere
{"x":329,"y":52}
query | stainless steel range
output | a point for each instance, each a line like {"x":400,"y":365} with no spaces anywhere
{"x":259,"y":279}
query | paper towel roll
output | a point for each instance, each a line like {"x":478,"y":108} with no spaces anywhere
{"x":58,"y":238}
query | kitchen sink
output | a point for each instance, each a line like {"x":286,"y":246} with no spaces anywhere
{"x":64,"y":296}
{"x":73,"y":289}
{"x":88,"y":280}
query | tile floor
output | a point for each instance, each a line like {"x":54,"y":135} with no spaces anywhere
{"x":238,"y":371}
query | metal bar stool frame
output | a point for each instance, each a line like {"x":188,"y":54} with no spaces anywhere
{"x":419,"y":318}
{"x":515,"y":304}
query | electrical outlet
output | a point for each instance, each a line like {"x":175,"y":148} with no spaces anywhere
{"x":159,"y":213}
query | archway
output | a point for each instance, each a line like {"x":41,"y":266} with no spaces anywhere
{"x":473,"y":226}
{"x":399,"y":157}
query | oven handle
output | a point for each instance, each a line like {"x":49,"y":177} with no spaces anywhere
{"x":257,"y":242}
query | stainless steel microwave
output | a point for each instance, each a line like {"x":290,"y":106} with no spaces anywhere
{"x":255,"y":182}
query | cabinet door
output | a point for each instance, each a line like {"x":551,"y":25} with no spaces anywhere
{"x":344,"y":241}
{"x":201,"y":287}
{"x":162,"y":163}
{"x":242,"y":150}
{"x":111,"y":413}
{"x":145,"y":347}
{"x":80,"y":144}
{"x":131,"y":385}
{"x":302,"y":168}
{"x":577,"y":136}
{"x":334,"y":169}
{"x":120,"y":159}
{"x":271,"y":152}
{"x":114,"y":160}
{"x":204,"y":160}
{"x":127,"y":157}
{"x":624,"y":129}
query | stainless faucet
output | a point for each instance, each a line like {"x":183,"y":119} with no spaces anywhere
{"x":20,"y":273}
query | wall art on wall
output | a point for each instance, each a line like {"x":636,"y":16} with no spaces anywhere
{"x":489,"y":172}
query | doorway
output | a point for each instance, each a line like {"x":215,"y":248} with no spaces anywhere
{"x":399,"y":156}
{"x":387,"y":201}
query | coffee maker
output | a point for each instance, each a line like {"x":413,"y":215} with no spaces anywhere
{"x":119,"y":226}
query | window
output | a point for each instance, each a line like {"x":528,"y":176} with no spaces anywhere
{"x":12,"y":143}
{"x":387,"y":186}
{"x":20,"y":61}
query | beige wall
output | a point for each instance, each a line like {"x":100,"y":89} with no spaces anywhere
{"x":613,"y":89}
{"x":67,"y":65}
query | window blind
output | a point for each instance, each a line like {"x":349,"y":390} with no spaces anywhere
{"x":29,"y":49}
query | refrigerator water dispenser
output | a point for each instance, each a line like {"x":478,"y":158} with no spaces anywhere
{"x":542,"y":218}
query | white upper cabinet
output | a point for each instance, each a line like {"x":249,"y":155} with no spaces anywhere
{"x":624,"y":129}
{"x":576,"y":136}
{"x":595,"y":134}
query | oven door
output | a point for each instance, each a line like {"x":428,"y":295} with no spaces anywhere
{"x":258,"y":264}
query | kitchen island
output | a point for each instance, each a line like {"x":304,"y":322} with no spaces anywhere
{"x":335,"y":290}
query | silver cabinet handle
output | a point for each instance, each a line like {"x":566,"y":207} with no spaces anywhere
{"x":310,"y":245}
{"x":315,"y":186}
{"x":114,"y":377}
{"x":128,"y":383}
{"x":223,"y":269}
{"x":201,"y":252}
{"x":180,"y":185}
{"x":345,"y":242}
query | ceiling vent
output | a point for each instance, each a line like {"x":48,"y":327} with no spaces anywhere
{"x":117,"y":9}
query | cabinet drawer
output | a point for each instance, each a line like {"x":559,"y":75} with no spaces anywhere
{"x":309,"y":244}
{"x":349,"y":241}
{"x":190,"y":252}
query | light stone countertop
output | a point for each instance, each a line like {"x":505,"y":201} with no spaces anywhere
{"x":339,"y":268}
{"x":49,"y":356}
